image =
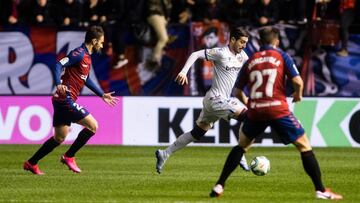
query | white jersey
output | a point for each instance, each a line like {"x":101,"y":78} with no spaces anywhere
{"x":226,"y":68}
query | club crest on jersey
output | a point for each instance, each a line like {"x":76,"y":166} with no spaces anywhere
{"x":83,"y":77}
{"x":64,"y":60}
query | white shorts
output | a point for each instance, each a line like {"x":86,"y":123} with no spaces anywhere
{"x":215,"y":108}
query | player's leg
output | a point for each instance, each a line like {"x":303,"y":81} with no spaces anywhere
{"x":312,"y":168}
{"x":61,"y":123}
{"x":91,"y":125}
{"x":48,"y":146}
{"x":240,"y":114}
{"x":291,"y":131}
{"x":85,"y":134}
{"x":203,"y":124}
{"x":247,"y":135}
{"x":182,"y":141}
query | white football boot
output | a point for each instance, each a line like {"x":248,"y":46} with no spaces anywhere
{"x":328,"y":194}
{"x":217,"y":191}
{"x":161,"y":157}
{"x":243,"y":163}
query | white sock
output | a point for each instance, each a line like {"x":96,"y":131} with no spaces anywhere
{"x":179,"y":143}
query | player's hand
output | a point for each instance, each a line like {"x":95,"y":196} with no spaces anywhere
{"x":62,"y":89}
{"x":110,"y":99}
{"x":296,"y":98}
{"x":181,"y":79}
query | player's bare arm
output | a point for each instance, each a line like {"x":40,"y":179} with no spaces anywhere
{"x":298,"y":85}
{"x":110,"y":99}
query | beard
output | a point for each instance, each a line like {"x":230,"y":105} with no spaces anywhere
{"x":97,"y":50}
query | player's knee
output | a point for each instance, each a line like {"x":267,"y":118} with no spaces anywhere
{"x":197,"y":132}
{"x":94,"y":127}
{"x":59,"y":139}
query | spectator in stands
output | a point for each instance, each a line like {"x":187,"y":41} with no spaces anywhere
{"x":112,"y":19}
{"x":265,"y":12}
{"x":207,"y":11}
{"x":10,"y":14}
{"x":347,"y":16}
{"x":237,"y":13}
{"x":69,"y":13}
{"x":181,"y":11}
{"x":91,"y":9}
{"x":158,"y":13}
{"x":293,"y":11}
{"x":41,"y":13}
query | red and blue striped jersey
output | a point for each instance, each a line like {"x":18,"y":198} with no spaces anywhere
{"x":265,"y":75}
{"x":75,"y":69}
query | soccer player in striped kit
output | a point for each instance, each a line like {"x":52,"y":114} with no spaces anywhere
{"x":71,"y":75}
{"x":265,"y":75}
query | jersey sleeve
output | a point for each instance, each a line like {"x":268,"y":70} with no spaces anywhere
{"x":91,"y":85}
{"x":213,"y":54}
{"x":290,"y":67}
{"x":72,"y":58}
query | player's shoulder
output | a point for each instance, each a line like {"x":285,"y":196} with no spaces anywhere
{"x":78,"y":52}
{"x":281,"y":52}
{"x":217,"y":50}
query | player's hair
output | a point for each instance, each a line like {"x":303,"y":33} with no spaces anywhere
{"x":94,"y":32}
{"x":237,"y":33}
{"x":268,"y":35}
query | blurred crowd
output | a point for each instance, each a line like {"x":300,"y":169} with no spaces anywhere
{"x":118,"y":15}
{"x":82,"y":13}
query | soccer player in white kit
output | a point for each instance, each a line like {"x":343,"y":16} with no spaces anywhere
{"x":217,"y":102}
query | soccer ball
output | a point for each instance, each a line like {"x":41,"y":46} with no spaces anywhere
{"x":260,"y":165}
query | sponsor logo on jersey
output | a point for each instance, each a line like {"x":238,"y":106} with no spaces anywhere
{"x":232,"y":68}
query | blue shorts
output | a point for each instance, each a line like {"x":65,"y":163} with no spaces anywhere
{"x":68,"y":112}
{"x":288,"y":128}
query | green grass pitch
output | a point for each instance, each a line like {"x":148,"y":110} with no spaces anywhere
{"x":127,"y":174}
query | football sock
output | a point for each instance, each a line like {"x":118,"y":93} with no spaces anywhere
{"x":45,"y":149}
{"x":180,"y":143}
{"x":80,"y":141}
{"x":231,"y":163}
{"x":312,"y":168}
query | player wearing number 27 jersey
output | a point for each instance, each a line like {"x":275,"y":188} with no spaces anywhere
{"x":266,"y":73}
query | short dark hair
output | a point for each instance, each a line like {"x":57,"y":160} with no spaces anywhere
{"x":237,"y":33}
{"x":268,"y":35}
{"x":94,"y":32}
